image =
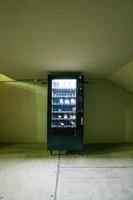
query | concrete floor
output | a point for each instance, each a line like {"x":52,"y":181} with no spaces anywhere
{"x":101,"y":172}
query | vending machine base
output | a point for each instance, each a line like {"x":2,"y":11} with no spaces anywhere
{"x":65,"y":143}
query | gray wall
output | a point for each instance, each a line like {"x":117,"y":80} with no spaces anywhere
{"x":105,"y":113}
{"x":23,"y":113}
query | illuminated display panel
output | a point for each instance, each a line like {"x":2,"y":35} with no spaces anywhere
{"x":63,"y":103}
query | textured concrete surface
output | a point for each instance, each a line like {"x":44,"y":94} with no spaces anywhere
{"x":101,"y":172}
{"x":26,"y":172}
{"x":96,"y":184}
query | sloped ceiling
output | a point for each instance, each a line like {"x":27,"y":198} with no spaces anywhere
{"x":124,"y":77}
{"x":39,"y":36}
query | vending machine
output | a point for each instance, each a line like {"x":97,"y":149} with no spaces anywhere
{"x":65,"y":112}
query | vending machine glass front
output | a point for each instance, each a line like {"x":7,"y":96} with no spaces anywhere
{"x":63,"y":103}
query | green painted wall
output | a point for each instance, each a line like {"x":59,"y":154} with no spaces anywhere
{"x":23,"y":113}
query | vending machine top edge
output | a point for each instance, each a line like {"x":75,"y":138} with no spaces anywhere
{"x":65,"y":112}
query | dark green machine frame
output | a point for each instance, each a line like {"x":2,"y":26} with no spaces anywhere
{"x":66,"y":139}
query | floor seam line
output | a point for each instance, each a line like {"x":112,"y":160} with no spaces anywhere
{"x":95,"y":167}
{"x":53,"y":196}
